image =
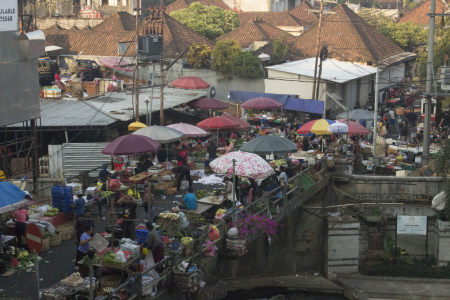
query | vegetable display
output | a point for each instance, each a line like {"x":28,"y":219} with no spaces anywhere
{"x":95,"y":260}
{"x":278,"y":162}
{"x":107,"y":194}
{"x":201,"y":194}
{"x":110,"y":257}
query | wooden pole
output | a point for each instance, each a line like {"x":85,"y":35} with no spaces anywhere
{"x":136,"y":91}
{"x":317,"y":50}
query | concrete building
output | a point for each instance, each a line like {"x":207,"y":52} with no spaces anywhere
{"x":263,"y":5}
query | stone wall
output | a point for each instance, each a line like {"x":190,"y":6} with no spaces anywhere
{"x":67,"y":23}
{"x":441,"y":249}
{"x":342,"y":247}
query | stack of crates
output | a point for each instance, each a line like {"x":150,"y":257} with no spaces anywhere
{"x":62,"y":198}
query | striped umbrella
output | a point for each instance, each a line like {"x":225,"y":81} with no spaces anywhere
{"x":316,"y":126}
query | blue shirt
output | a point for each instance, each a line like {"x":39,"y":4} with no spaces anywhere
{"x":85,"y":248}
{"x":191,"y":201}
{"x":79,"y":206}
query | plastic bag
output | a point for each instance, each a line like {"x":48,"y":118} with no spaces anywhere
{"x":233,"y":233}
{"x":214,"y":234}
{"x":184,"y":185}
{"x":114,"y":184}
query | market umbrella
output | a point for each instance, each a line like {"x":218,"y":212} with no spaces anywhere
{"x":113,"y":62}
{"x":242,"y":125}
{"x":355,"y":127}
{"x":357,"y":114}
{"x":247,"y":165}
{"x":269,"y":144}
{"x":209,"y":103}
{"x":217,"y":123}
{"x":161,"y":134}
{"x":131,"y":145}
{"x":262,"y":103}
{"x":319,"y":126}
{"x":188,"y":129}
{"x":338,"y":127}
{"x":136,"y":126}
{"x":190,"y":83}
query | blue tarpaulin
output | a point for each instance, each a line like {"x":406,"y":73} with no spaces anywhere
{"x":239,"y":96}
{"x":308,"y":106}
{"x":10,"y":194}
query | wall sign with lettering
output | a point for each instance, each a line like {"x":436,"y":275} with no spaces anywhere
{"x":9,"y":15}
{"x":412,"y":225}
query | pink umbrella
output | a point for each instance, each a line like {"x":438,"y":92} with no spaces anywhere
{"x":190,"y":83}
{"x":242,"y":125}
{"x":262,"y":103}
{"x":208,"y":103}
{"x":130,"y":145}
{"x":217,"y":123}
{"x":113,"y":62}
{"x":247,"y":165}
{"x":188,"y":129}
{"x":355,"y":128}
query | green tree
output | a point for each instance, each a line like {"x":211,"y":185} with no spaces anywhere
{"x":374,"y":17}
{"x":247,"y":65}
{"x":168,"y":2}
{"x":280,"y":48}
{"x":406,"y":35}
{"x":199,"y":56}
{"x":223,"y":55}
{"x":210,"y":21}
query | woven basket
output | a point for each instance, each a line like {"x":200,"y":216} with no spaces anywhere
{"x":330,"y":163}
{"x":45,"y":243}
{"x":55,"y":240}
{"x":111,"y":281}
{"x":73,"y":67}
{"x":77,"y":89}
{"x":66,"y":236}
{"x":381,"y":140}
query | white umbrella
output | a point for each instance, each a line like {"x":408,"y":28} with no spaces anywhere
{"x":247,"y":165}
{"x":161,"y":134}
{"x":338,"y":127}
{"x":188,"y":129}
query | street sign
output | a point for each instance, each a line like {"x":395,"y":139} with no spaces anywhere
{"x":9,"y":15}
{"x":34,"y":238}
{"x":212,"y":92}
{"x":412,"y":225}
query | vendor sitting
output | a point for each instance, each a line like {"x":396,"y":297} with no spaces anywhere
{"x":182,"y":220}
{"x":79,"y":205}
{"x":141,"y":166}
{"x":189,"y":200}
{"x":131,"y":288}
{"x":199,"y":146}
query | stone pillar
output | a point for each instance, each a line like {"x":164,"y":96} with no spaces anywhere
{"x":442,"y":248}
{"x":342,"y":247}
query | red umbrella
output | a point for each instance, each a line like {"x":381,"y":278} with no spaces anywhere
{"x":261,"y":103}
{"x":242,"y":125}
{"x":208,"y":103}
{"x":190,"y":83}
{"x":217,"y":123}
{"x":130,"y":145}
{"x":355,"y":128}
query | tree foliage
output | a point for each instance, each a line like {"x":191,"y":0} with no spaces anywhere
{"x":280,"y":48}
{"x":405,"y":35}
{"x":247,"y":65}
{"x":442,"y":169}
{"x":210,"y":21}
{"x":223,"y":55}
{"x":199,"y":56}
{"x":168,"y":2}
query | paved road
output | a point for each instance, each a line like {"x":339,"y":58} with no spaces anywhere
{"x":22,"y":285}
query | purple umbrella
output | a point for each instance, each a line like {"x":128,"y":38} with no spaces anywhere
{"x":130,"y":145}
{"x":208,"y":103}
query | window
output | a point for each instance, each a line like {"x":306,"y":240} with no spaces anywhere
{"x":291,"y":4}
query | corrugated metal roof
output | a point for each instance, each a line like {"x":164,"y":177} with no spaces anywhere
{"x":332,"y":70}
{"x":120,"y":105}
{"x":105,"y":110}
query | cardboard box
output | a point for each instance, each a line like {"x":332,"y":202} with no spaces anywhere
{"x":52,"y":93}
{"x":160,"y":186}
{"x":171,"y":191}
{"x":155,"y":178}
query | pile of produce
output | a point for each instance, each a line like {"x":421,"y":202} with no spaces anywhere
{"x":200,"y":154}
{"x":278,"y":162}
{"x":26,"y":261}
{"x":52,"y":212}
{"x":95,"y":260}
{"x":106,"y":194}
{"x":168,"y":216}
{"x":239,"y":143}
{"x":116,"y":258}
{"x":201,"y":193}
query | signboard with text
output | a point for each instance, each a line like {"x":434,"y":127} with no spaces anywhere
{"x":9,"y":15}
{"x":412,"y":225}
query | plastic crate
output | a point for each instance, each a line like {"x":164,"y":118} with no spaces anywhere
{"x":142,"y":233}
{"x":306,"y":182}
{"x":62,"y":191}
{"x":176,"y":245}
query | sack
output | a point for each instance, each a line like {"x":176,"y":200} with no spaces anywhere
{"x":233,"y":233}
{"x":114,"y":184}
{"x":184,"y":185}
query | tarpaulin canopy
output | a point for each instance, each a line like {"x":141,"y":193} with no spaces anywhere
{"x":10,"y":194}
{"x":238,"y":96}
{"x":304,"y":105}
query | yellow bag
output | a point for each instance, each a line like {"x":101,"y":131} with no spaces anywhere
{"x":145,"y":251}
{"x":187,"y":241}
{"x":220,"y":211}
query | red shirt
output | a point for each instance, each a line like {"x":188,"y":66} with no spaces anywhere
{"x":57,"y":77}
{"x":20,"y":215}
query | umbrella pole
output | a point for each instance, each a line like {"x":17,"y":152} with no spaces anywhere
{"x":217,"y":139}
{"x":167,"y":149}
{"x":234,"y":188}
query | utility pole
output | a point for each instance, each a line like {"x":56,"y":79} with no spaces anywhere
{"x":321,"y":12}
{"x":136,"y":82}
{"x":375,"y":116}
{"x":323,"y":56}
{"x":161,"y":103}
{"x":429,"y":85}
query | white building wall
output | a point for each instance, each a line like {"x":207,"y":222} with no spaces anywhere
{"x":391,"y":76}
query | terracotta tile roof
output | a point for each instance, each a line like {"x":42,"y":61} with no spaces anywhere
{"x":182,"y":4}
{"x":54,"y":27}
{"x":118,"y":22}
{"x":302,"y":16}
{"x":275,"y":18}
{"x":103,"y":42}
{"x":349,"y":38}
{"x":266,"y":49}
{"x":248,"y":33}
{"x":419,"y":14}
